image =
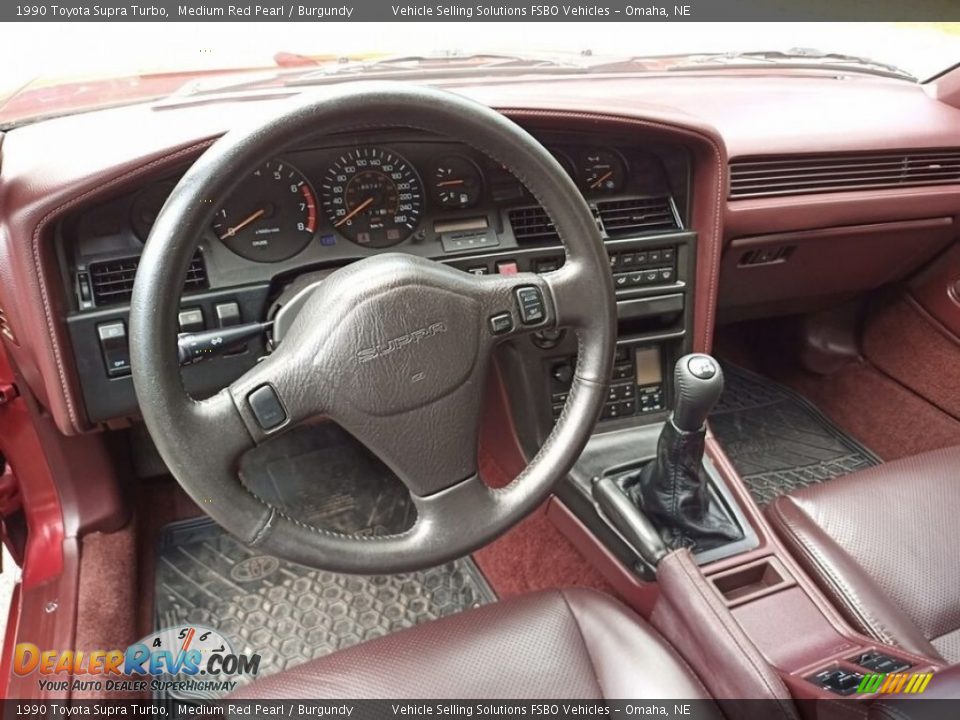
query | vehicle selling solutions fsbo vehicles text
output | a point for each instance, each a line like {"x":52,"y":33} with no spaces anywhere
{"x":535,"y":11}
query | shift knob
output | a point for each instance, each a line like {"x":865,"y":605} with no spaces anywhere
{"x":697,"y":382}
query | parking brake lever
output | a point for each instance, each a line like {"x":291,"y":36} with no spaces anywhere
{"x":193,"y":347}
{"x":629,"y":520}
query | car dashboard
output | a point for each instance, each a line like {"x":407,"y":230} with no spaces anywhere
{"x":302,"y":214}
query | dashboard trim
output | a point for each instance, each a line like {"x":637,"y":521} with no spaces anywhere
{"x":68,"y":397}
{"x":44,"y":350}
{"x":709,"y":242}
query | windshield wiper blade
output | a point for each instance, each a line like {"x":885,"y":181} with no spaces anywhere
{"x":798,"y":57}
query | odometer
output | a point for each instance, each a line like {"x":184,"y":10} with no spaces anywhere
{"x":373,"y":197}
{"x":272,"y":216}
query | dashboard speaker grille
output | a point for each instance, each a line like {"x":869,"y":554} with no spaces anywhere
{"x":812,"y":174}
{"x":636,"y":216}
{"x":112,"y":281}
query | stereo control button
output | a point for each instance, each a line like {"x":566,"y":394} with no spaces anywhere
{"x":530,"y":304}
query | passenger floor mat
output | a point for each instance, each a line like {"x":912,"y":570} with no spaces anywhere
{"x":287,"y":613}
{"x":777,"y":440}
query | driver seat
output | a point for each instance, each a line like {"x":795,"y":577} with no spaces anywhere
{"x":554,"y":644}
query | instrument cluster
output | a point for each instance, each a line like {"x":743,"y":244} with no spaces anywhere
{"x":376,"y":196}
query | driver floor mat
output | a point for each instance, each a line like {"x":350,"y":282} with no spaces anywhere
{"x":286,"y":613}
{"x":777,"y":440}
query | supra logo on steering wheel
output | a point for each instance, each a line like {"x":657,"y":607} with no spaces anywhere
{"x":413,"y":337}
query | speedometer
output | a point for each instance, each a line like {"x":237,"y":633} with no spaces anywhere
{"x":373,"y":197}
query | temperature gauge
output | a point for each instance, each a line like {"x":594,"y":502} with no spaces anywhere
{"x":457,"y":182}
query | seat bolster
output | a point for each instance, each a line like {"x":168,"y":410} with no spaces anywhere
{"x":853,"y":591}
{"x":550,"y":645}
{"x":620,"y":644}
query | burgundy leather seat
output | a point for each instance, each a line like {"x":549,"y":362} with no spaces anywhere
{"x":549,"y":645}
{"x":883,"y":544}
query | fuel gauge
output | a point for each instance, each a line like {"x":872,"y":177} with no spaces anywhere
{"x":602,"y":170}
{"x":457,"y":182}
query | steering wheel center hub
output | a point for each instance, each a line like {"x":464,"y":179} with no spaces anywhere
{"x":396,"y":332}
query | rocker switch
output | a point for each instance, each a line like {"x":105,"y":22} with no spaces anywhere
{"x":530,"y":304}
{"x":113,"y":345}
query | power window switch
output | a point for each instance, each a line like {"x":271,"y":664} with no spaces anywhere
{"x":228,"y":314}
{"x":115,"y":349}
{"x":191,"y":320}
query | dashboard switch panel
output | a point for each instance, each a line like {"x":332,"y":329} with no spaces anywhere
{"x":228,"y":314}
{"x":191,"y":320}
{"x":115,"y":349}
{"x":636,"y":385}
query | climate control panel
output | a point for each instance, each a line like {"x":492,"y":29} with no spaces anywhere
{"x":636,"y":384}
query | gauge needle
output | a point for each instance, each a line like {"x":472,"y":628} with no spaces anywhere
{"x":446,"y":183}
{"x":353,"y":212}
{"x":238,"y":227}
{"x":599,"y":181}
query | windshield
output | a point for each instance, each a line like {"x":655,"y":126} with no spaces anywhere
{"x":98,"y":64}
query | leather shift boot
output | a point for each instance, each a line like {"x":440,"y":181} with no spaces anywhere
{"x":674,"y":492}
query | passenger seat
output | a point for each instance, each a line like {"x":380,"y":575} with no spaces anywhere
{"x":883,"y":543}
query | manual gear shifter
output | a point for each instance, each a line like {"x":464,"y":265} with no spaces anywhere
{"x":698,"y":381}
{"x":672,"y":488}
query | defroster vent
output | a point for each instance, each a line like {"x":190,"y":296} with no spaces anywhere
{"x":112,"y":281}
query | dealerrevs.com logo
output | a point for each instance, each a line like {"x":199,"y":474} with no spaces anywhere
{"x":187,"y":661}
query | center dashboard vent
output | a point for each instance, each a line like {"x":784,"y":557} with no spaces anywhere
{"x":812,"y":174}
{"x":112,"y":281}
{"x":637,"y":216}
{"x":615,"y":218}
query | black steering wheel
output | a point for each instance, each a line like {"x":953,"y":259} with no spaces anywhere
{"x":394,"y":348}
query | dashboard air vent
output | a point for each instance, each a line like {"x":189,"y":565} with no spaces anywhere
{"x":637,"y":215}
{"x":811,"y":174}
{"x":112,"y":281}
{"x":532,"y":225}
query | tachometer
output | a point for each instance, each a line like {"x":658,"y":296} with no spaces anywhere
{"x":373,"y":197}
{"x":272,"y":215}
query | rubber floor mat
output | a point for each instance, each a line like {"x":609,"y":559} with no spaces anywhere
{"x":777,"y":440}
{"x":289,"y":614}
{"x":286,"y":613}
